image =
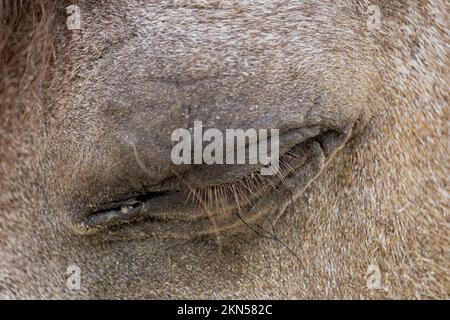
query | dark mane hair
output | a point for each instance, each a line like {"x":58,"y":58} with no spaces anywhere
{"x":26,"y":41}
{"x":27,"y":50}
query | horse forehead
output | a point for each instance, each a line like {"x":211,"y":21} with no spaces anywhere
{"x":227,"y":21}
{"x":201,"y":39}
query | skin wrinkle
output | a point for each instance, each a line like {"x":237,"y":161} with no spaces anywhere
{"x":134,"y":72}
